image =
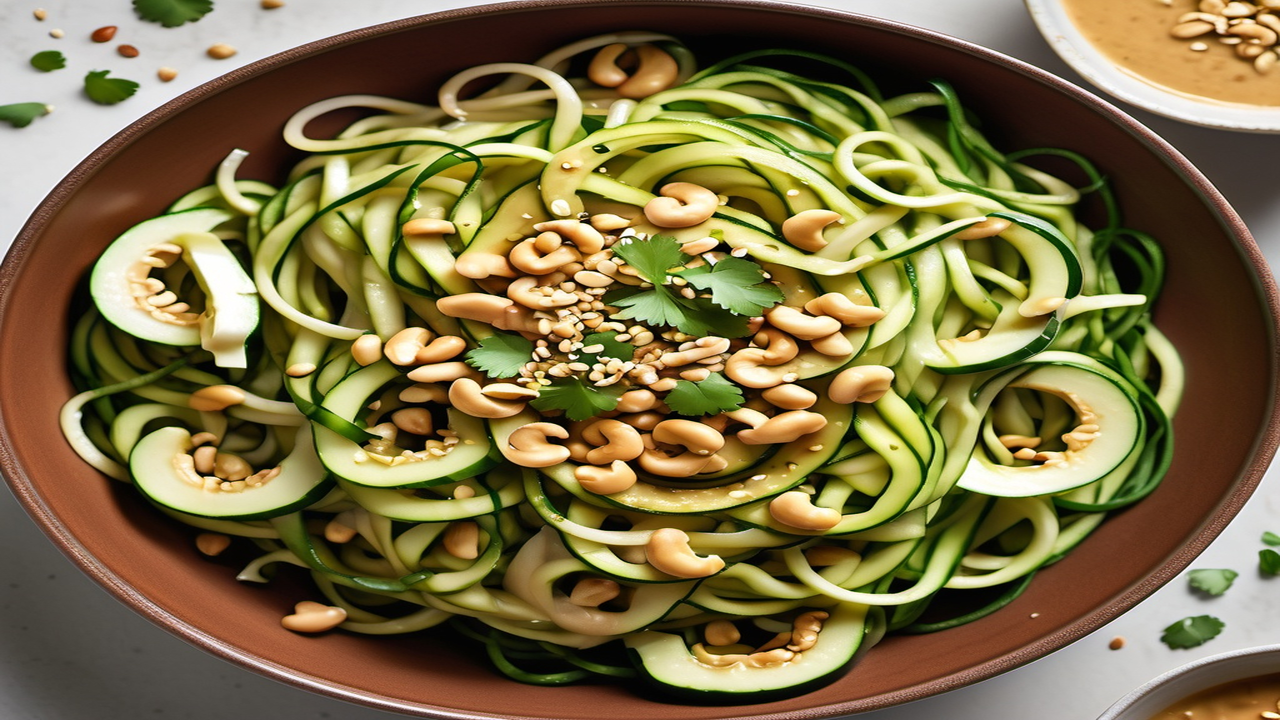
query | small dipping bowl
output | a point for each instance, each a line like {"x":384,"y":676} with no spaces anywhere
{"x":1158,"y":694}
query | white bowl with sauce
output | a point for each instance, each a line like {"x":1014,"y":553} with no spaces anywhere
{"x":1152,"y":700}
{"x":1126,"y":50}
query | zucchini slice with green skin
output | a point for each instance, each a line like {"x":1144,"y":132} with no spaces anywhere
{"x":160,"y":474}
{"x":1012,"y":338}
{"x":672,"y":668}
{"x":348,"y":460}
{"x":117,"y":285}
{"x":1101,"y":398}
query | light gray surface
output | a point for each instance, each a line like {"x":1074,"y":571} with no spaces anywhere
{"x":69,"y":651}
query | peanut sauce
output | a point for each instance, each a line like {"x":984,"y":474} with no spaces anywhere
{"x":1134,"y":35}
{"x":1247,"y":699}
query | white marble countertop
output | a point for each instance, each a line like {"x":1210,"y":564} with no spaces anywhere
{"x":71,"y":652}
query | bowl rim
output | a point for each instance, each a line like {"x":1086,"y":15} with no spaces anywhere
{"x":1053,"y":22}
{"x":1163,"y":680}
{"x":1263,"y":449}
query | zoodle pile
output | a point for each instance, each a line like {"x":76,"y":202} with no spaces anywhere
{"x":623,"y":368}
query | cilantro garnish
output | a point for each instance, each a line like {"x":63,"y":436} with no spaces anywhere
{"x":1212,"y":582}
{"x":107,"y":91}
{"x":725,"y":314}
{"x":172,"y":13}
{"x":737,"y":285}
{"x":1270,"y":538}
{"x":1192,"y":631}
{"x":48,"y":61}
{"x":1269,"y":561}
{"x":613,"y":348}
{"x":576,"y":398}
{"x":709,"y":397}
{"x":501,"y":355}
{"x":21,"y":114}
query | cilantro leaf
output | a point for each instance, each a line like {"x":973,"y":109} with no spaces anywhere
{"x":1270,"y":538}
{"x":1269,"y":561}
{"x":612,"y":348}
{"x":107,"y":91}
{"x":704,"y":319}
{"x":501,"y":355}
{"x":1212,"y":582}
{"x":48,"y":61}
{"x":577,"y":399}
{"x":652,"y":257}
{"x":654,"y":306}
{"x":738,"y":286}
{"x":21,"y":114}
{"x":1192,"y":631}
{"x":709,"y":397}
{"x":172,"y":13}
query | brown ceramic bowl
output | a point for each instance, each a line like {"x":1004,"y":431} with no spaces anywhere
{"x":1219,"y":308}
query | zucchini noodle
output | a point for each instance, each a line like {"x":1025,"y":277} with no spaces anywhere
{"x":624,"y":368}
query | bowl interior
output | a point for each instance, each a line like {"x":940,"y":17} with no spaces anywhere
{"x":1188,"y":680}
{"x":1074,"y":48}
{"x":1217,"y":309}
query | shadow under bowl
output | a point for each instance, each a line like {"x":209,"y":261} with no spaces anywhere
{"x":1218,"y":308}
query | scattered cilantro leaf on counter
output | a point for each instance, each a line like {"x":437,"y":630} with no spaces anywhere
{"x":1192,"y":631}
{"x":1269,"y":561}
{"x":1270,"y":538}
{"x":172,"y":13}
{"x":576,"y":398}
{"x":613,"y":348}
{"x":1212,"y":582}
{"x":48,"y":61}
{"x":501,"y":355}
{"x":737,"y":285}
{"x":107,"y":90}
{"x":709,"y":397}
{"x":20,"y":115}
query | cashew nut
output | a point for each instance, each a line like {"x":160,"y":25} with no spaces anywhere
{"x":751,"y":367}
{"x":462,"y":539}
{"x":702,"y":349}
{"x":427,"y":227}
{"x":833,"y":345}
{"x":441,"y":372}
{"x":608,"y":222}
{"x":584,"y":237}
{"x":614,"y":440}
{"x":840,"y":307}
{"x":312,"y":617}
{"x":480,"y":265}
{"x":864,"y":383}
{"x":594,"y":592}
{"x":656,"y":70}
{"x":524,"y":291}
{"x":681,"y":204}
{"x":795,"y":509}
{"x":414,"y":420}
{"x":721,"y":632}
{"x":604,"y":70}
{"x":529,"y":445}
{"x":790,"y":397}
{"x":445,"y":347}
{"x":805,"y":629}
{"x":693,"y":436}
{"x":668,"y":550}
{"x":685,"y":464}
{"x":499,"y":312}
{"x":403,"y":347}
{"x":466,"y":395}
{"x":615,"y":478}
{"x":542,"y":254}
{"x":800,"y":325}
{"x":634,"y":401}
{"x":367,"y":349}
{"x":783,"y":428}
{"x":804,"y":229}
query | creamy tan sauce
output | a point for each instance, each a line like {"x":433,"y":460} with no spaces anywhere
{"x":1246,"y":699}
{"x":1134,"y":34}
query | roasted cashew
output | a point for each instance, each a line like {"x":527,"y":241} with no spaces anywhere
{"x":413,"y":420}
{"x":402,"y":348}
{"x":796,"y":509}
{"x":783,"y":428}
{"x":461,"y":539}
{"x":523,"y":291}
{"x":656,"y":71}
{"x":721,"y":632}
{"x":1255,"y":33}
{"x":800,"y":325}
{"x":427,"y":227}
{"x":685,"y":464}
{"x":508,"y":391}
{"x":634,"y":401}
{"x":586,"y":238}
{"x":542,"y":254}
{"x":445,"y":347}
{"x":842,"y":308}
{"x":367,"y":349}
{"x":805,"y":629}
{"x":863,"y":383}
{"x":441,"y":372}
{"x":480,"y":265}
{"x":500,"y":312}
{"x":699,"y":246}
{"x":702,"y":349}
{"x":668,"y":551}
{"x":615,"y":478}
{"x":312,"y":617}
{"x":604,"y":70}
{"x":614,"y":440}
{"x":753,"y":367}
{"x":608,"y":222}
{"x":680,"y":205}
{"x":804,"y":229}
{"x":529,"y":447}
{"x":790,"y":397}
{"x":594,"y":591}
{"x":466,"y":395}
{"x":692,"y":436}
{"x":833,"y":345}
{"x":642,"y":421}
